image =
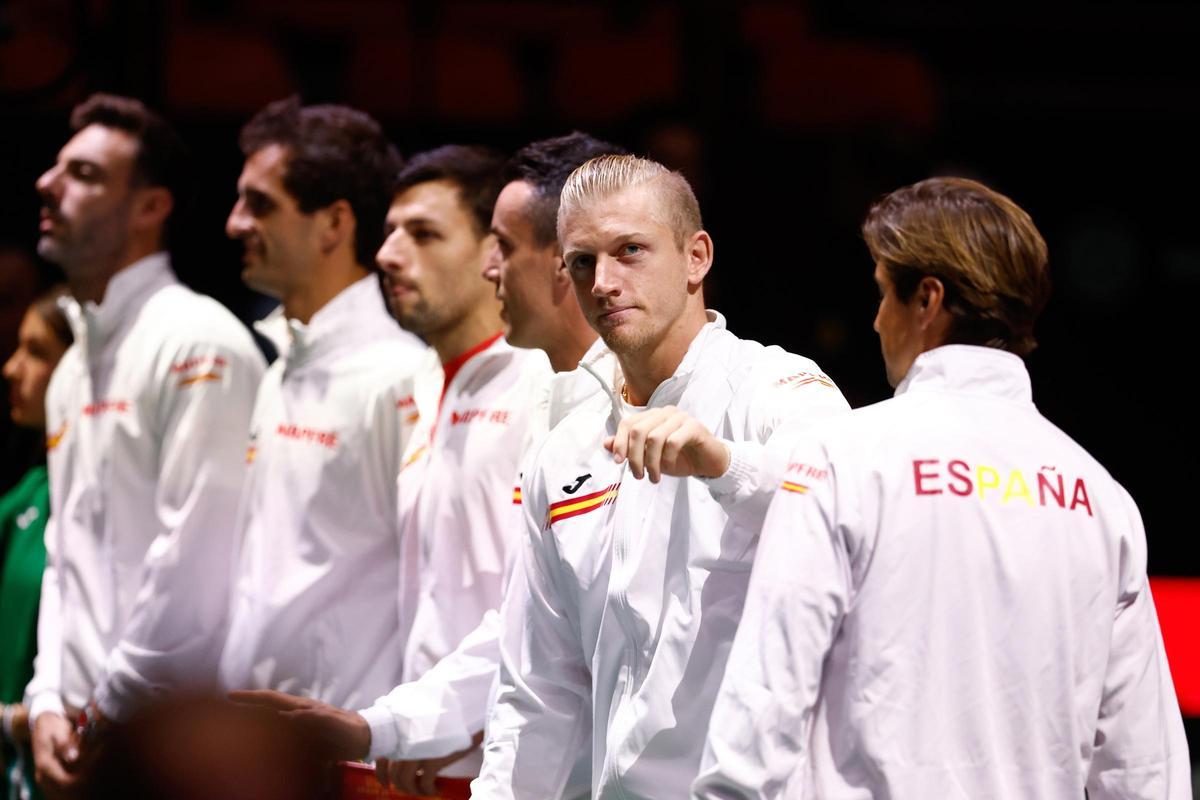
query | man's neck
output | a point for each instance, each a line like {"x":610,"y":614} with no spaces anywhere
{"x":91,"y":284}
{"x":645,"y":369}
{"x":569,"y":348}
{"x":468,"y":331}
{"x":328,"y":282}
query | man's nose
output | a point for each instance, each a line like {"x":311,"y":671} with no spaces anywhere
{"x":238,"y":224}
{"x":605,"y":277}
{"x":491,"y":266}
{"x":47,"y":185}
{"x":391,"y":256}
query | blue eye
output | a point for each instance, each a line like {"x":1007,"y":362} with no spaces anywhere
{"x":581,"y":263}
{"x":631,"y":249}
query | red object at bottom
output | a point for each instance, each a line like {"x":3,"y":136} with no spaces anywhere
{"x":358,"y":782}
{"x":1178,"y":603}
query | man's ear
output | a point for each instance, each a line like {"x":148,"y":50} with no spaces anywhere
{"x":561,"y":274}
{"x":561,"y":285}
{"x":699,"y":252}
{"x":930,"y":299}
{"x":336,"y":224}
{"x":152,"y":206}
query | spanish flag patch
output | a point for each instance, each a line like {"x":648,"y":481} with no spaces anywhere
{"x":516,"y":495}
{"x":203,"y":378}
{"x":414,"y":458}
{"x":53,"y":439}
{"x":574,"y":506}
{"x":798,"y":488}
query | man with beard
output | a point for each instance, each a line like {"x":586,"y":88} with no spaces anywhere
{"x":146,"y":417}
{"x":320,"y":544}
{"x":641,"y":513}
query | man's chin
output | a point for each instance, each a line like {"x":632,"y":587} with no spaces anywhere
{"x":622,"y":340}
{"x":254,"y":280}
{"x":50,"y":249}
{"x":519,"y":338}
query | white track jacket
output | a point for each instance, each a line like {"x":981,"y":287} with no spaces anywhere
{"x":438,"y":713}
{"x":146,"y":416}
{"x":315,"y":611}
{"x":456,"y":501}
{"x":635,"y":589}
{"x":950,"y":601}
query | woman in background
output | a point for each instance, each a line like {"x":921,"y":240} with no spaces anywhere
{"x":43,"y":337}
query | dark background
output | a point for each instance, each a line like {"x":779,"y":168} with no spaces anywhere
{"x":789,"y":118}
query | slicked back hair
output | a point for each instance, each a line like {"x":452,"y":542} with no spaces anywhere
{"x":601,"y":177}
{"x":334,"y":153}
{"x":473,"y":169}
{"x":162,"y":158}
{"x":545,"y":166}
{"x":981,"y":245}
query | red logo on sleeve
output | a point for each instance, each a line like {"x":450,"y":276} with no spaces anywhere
{"x":500,"y":417}
{"x":804,"y":379}
{"x":106,"y":407}
{"x":211,"y":366}
{"x":308,"y":435}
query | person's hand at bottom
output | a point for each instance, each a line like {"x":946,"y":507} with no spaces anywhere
{"x":55,"y":755}
{"x":342,"y":735}
{"x":419,"y":777}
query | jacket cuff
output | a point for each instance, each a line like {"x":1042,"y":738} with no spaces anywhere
{"x":42,"y":702}
{"x":743,"y":475}
{"x":105,"y":702}
{"x":384,"y":739}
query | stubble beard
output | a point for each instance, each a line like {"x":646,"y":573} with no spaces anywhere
{"x":418,"y":319}
{"x":627,"y":340}
{"x":87,"y":249}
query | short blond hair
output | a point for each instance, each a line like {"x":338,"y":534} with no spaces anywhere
{"x":981,"y":245}
{"x":607,"y":175}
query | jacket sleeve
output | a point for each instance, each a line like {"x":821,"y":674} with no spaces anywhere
{"x":759,"y":729}
{"x":175,"y":630}
{"x":44,"y":691}
{"x":540,"y":717}
{"x":1140,"y":748}
{"x":438,"y":713}
{"x":787,"y":396}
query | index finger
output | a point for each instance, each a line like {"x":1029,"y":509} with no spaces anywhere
{"x":427,"y":777}
{"x":268,"y":698}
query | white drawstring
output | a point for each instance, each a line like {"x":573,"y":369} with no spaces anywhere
{"x":612,"y":395}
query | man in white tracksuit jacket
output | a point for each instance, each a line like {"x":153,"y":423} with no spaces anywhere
{"x":950,"y":598}
{"x":320,"y":543}
{"x":635,"y":569}
{"x":147,"y":416}
{"x":420,"y":722}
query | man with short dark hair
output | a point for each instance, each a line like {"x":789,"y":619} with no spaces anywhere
{"x":950,"y":595}
{"x":146,"y":416}
{"x":538,"y":304}
{"x":314,"y":610}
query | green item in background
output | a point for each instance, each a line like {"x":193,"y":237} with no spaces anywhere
{"x":23,"y":514}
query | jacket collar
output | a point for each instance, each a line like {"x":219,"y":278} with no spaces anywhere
{"x":969,"y":369}
{"x":95,"y":323}
{"x":600,"y":361}
{"x":353,"y":315}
